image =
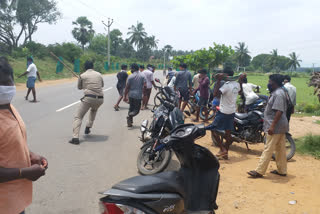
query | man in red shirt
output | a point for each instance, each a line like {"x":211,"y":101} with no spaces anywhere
{"x":18,"y":166}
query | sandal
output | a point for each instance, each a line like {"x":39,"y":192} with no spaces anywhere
{"x":222,"y":154}
{"x":223,"y":157}
{"x":116,"y":108}
{"x":255,"y":174}
{"x":277,"y":173}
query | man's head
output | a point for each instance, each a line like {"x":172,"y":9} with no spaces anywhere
{"x":170,"y":69}
{"x":124,"y":67}
{"x":6,"y":72}
{"x":149,"y":67}
{"x":228,"y":70}
{"x":183,"y":66}
{"x":134,"y":67}
{"x":88,"y":65}
{"x":141,"y":68}
{"x":153,"y":68}
{"x":275,"y":81}
{"x":30,"y":60}
{"x":203,"y":73}
{"x":245,"y":80}
{"x":287,"y":79}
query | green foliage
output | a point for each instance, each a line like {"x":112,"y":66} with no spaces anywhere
{"x":294,"y":62}
{"x":37,"y":49}
{"x":20,"y":19}
{"x":97,"y":59}
{"x":68,"y":51}
{"x":137,"y":35}
{"x":98,"y":44}
{"x":242,"y":55}
{"x":83,"y":32}
{"x":309,"y":145}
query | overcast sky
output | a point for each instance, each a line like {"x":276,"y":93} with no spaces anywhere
{"x":288,"y":25}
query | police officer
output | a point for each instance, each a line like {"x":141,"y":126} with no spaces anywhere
{"x":92,"y":83}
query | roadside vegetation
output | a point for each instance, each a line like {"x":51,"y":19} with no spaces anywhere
{"x":309,"y":145}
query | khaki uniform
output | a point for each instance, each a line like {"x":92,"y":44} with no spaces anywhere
{"x":92,"y":84}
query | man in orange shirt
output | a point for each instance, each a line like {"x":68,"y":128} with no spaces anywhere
{"x":18,"y":166}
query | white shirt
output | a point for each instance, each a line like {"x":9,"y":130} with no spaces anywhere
{"x":292,"y":92}
{"x":249,"y":94}
{"x":171,"y":83}
{"x":32,"y":70}
{"x":195,"y":81}
{"x":149,"y":78}
{"x":228,"y":101}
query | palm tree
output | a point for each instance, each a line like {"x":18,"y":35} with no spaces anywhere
{"x":294,"y":61}
{"x":152,"y":42}
{"x":274,"y":59}
{"x":242,"y":54}
{"x":137,"y":35}
{"x":83,"y":32}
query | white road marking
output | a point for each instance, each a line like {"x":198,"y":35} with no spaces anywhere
{"x":75,"y":103}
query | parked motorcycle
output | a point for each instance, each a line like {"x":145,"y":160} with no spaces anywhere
{"x":193,"y":103}
{"x":193,"y":188}
{"x":248,"y":128}
{"x":165,"y":118}
{"x":165,"y":93}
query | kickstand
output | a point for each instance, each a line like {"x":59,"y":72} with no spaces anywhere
{"x":247,"y":146}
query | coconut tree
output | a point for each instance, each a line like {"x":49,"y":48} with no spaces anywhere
{"x":137,"y":35}
{"x":242,"y":54}
{"x":294,"y":61}
{"x":83,"y":31}
{"x":274,"y":59}
{"x":151,"y":42}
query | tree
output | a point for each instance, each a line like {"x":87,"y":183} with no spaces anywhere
{"x":262,"y":62}
{"x":83,"y":31}
{"x":151,"y":42}
{"x":274,"y":60}
{"x":98,"y":44}
{"x":242,"y":55}
{"x":137,"y":35}
{"x":294,"y":61}
{"x":20,"y":19}
{"x":116,"y":42}
{"x":126,"y":50}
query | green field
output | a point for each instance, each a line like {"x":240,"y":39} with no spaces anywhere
{"x":304,"y":93}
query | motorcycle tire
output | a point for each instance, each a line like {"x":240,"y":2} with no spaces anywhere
{"x":291,"y":146}
{"x":143,"y":160}
{"x":211,"y":114}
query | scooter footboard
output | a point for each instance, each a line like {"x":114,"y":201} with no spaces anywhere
{"x":153,"y":203}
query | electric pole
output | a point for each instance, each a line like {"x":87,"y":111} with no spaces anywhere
{"x":313,"y":67}
{"x":110,"y":22}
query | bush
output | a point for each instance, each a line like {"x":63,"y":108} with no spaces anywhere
{"x":312,"y":108}
{"x":68,"y":51}
{"x":309,"y":145}
{"x":36,"y":49}
{"x":97,"y":59}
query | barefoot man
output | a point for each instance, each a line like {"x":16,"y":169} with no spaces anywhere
{"x":32,"y":74}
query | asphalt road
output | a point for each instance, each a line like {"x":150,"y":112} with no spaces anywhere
{"x":77,"y":173}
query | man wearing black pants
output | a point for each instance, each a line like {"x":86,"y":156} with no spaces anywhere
{"x":133,"y":92}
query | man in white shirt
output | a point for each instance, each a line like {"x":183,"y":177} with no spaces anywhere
{"x":292,"y":92}
{"x":248,"y":92}
{"x":148,"y":86}
{"x":224,"y":118}
{"x":195,"y":81}
{"x":32,"y":74}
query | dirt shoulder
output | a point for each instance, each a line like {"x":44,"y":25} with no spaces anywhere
{"x":270,"y":195}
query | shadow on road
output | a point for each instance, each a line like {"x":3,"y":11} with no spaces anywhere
{"x":95,"y":138}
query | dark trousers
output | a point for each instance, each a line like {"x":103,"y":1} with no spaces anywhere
{"x":22,"y":212}
{"x":134,"y":108}
{"x":289,"y":112}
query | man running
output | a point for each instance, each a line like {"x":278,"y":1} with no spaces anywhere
{"x":183,"y":84}
{"x":32,"y":74}
{"x":122,"y":77}
{"x":133,"y":92}
{"x":148,"y":86}
{"x":92,"y":83}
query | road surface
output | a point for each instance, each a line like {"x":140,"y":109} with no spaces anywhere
{"x":77,"y":173}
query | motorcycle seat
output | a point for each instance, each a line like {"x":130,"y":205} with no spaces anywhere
{"x":241,"y":116}
{"x":165,"y":182}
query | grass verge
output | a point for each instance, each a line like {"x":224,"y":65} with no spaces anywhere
{"x":309,"y":145}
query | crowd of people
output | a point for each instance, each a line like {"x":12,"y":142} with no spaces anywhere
{"x":19,"y":166}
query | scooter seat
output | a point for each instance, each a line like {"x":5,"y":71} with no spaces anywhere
{"x":241,"y":116}
{"x":165,"y":182}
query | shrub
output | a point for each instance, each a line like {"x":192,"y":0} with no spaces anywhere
{"x":309,"y":108}
{"x":97,"y":59}
{"x":68,"y":51}
{"x":309,"y":145}
{"x":37,"y":50}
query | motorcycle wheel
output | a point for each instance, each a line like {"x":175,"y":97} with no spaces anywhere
{"x":290,"y":147}
{"x":148,"y":165}
{"x":211,"y":114}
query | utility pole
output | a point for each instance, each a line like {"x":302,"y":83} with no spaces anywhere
{"x":313,"y":67}
{"x":110,"y":22}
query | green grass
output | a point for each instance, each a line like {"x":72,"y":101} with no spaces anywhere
{"x":309,"y":145}
{"x":318,"y":122}
{"x":304,"y":93}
